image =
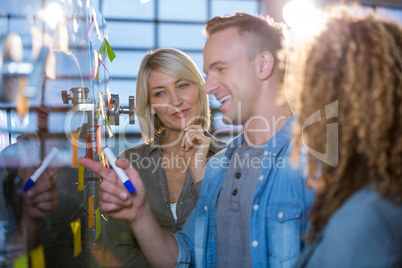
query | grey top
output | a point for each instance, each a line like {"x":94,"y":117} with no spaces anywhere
{"x":233,"y":210}
{"x":146,"y":159}
{"x":366,"y":231}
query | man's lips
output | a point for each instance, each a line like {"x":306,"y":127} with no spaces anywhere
{"x":181,"y":113}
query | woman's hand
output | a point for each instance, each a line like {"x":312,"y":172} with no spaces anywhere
{"x":114,"y":199}
{"x":196,"y":147}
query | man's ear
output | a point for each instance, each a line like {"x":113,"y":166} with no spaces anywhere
{"x":266,"y":65}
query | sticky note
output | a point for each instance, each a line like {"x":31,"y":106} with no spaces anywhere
{"x":109,"y":98}
{"x":96,"y":65}
{"x":94,"y":71}
{"x":94,"y":23}
{"x":102,"y":159}
{"x":102,"y":50}
{"x":22,"y":102}
{"x":37,"y":257}
{"x":90,"y":212}
{"x":109,"y":129}
{"x":98,"y":139}
{"x":74,"y":149}
{"x":76,"y":228}
{"x":91,"y":28}
{"x":98,"y":223}
{"x":110,"y":52}
{"x":100,"y":111}
{"x":21,"y":262}
{"x":89,"y":148}
{"x":81,"y":171}
{"x":101,"y":62}
{"x":100,"y":105}
{"x":106,"y":162}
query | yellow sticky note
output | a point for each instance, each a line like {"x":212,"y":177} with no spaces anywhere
{"x":98,"y":223}
{"x":81,"y":171}
{"x":21,"y":262}
{"x":91,"y":212}
{"x":102,"y":159}
{"x":96,"y":65}
{"x":74,"y":149}
{"x":37,"y":257}
{"x":76,"y":228}
{"x":99,"y":108}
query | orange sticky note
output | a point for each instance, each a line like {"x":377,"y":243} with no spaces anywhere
{"x":22,"y":102}
{"x":21,"y":262}
{"x":98,"y":223}
{"x":37,"y":257}
{"x":74,"y":149}
{"x":91,"y":212}
{"x":98,"y":139}
{"x":106,"y":162}
{"x":81,"y":171}
{"x":89,"y":147}
{"x":76,"y":228}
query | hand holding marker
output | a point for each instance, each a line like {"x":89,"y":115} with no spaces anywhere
{"x":120,"y":172}
{"x":52,"y":154}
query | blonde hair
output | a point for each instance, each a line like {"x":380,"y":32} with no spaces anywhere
{"x":357,"y":62}
{"x":175,"y":63}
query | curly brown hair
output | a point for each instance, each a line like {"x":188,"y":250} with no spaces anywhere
{"x":357,"y":62}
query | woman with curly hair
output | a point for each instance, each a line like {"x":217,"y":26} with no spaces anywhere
{"x":354,"y":65}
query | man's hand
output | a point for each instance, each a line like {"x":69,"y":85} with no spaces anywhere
{"x":114,"y":199}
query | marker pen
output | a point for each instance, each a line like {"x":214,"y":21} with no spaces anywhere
{"x":120,"y":172}
{"x":52,"y":154}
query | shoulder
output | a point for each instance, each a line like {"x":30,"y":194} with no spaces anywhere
{"x":136,"y":151}
{"x":364,"y":231}
{"x":368,"y":207}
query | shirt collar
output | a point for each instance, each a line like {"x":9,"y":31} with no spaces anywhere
{"x":274,"y":145}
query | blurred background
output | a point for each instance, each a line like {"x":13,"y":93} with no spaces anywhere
{"x":135,"y":27}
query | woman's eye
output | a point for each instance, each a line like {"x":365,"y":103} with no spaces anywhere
{"x":159,"y":93}
{"x":182,"y":86}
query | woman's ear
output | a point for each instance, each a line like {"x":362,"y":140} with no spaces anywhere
{"x":266,"y":65}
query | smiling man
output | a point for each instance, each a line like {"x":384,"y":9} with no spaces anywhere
{"x":251,"y":211}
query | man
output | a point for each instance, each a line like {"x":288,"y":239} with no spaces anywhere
{"x":253,"y":205}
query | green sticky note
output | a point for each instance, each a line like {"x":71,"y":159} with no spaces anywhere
{"x":102,"y":50}
{"x":110,"y":52}
{"x":21,"y":262}
{"x":108,"y":127}
{"x":98,"y":223}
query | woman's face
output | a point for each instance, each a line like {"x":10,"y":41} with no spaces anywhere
{"x":174,"y":101}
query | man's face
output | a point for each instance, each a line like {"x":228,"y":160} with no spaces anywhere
{"x":231,"y":76}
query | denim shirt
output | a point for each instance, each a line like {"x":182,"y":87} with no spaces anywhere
{"x":279,"y":215}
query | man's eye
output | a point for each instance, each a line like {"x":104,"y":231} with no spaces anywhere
{"x":220,"y":69}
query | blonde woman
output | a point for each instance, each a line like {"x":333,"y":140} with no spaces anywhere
{"x":174,"y":116}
